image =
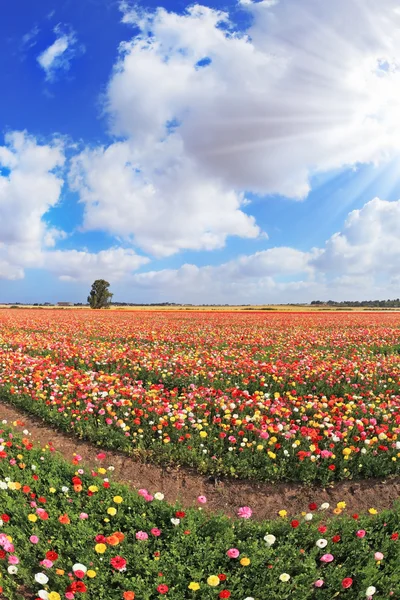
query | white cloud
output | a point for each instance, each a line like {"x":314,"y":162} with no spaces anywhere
{"x":160,"y":199}
{"x":73,"y":265}
{"x":59,"y":55}
{"x":313,"y":86}
{"x":208,"y":113}
{"x":361,"y":262}
{"x":368,"y":244}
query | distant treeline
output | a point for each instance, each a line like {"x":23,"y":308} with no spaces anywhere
{"x":359,"y":303}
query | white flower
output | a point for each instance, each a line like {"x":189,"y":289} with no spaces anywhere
{"x":175,"y":522}
{"x":284,"y":577}
{"x":79,"y":567}
{"x":370,"y":591}
{"x":41,"y":578}
{"x":64,"y":489}
{"x":308,"y":517}
{"x":321,"y":543}
{"x":12,"y":570}
{"x":270,"y":539}
{"x":43,"y":594}
{"x":325,"y":506}
{"x":249,"y":598}
{"x":397,"y":448}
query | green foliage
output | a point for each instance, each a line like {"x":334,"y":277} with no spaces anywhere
{"x":100,"y":296}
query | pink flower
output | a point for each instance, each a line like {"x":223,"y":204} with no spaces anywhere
{"x":319,"y":583}
{"x":361,"y":533}
{"x":201,"y":499}
{"x":83,"y":516}
{"x":245,"y":512}
{"x":148,"y":497}
{"x":79,"y":574}
{"x":143,"y":492}
{"x":141,"y":535}
{"x":155,"y":531}
{"x":13,"y":560}
{"x":378,"y":556}
{"x":326,"y":454}
{"x":34,"y":539}
{"x":233,"y":553}
{"x":326,"y":558}
{"x":101,"y":456}
{"x":47,"y":563}
{"x":69,"y":596}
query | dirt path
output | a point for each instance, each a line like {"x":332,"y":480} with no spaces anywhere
{"x":227,"y":496}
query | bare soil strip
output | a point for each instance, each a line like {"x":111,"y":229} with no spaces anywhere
{"x":184,"y":485}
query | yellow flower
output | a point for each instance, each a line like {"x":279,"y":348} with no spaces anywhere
{"x":100,"y":548}
{"x":282,"y":513}
{"x":102,"y":470}
{"x":245,"y":561}
{"x":54,"y":596}
{"x":372,"y":511}
{"x":91,"y":573}
{"x":203,"y":434}
{"x":32,"y":518}
{"x":341,"y":505}
{"x":53,"y":491}
{"x":213,"y":581}
{"x":93,"y":488}
{"x":117,"y":499}
{"x":193,"y":585}
{"x":112,"y":511}
{"x":60,"y":571}
{"x":284,"y":577}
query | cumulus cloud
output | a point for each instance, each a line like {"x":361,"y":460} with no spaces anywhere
{"x":311,"y":86}
{"x":368,"y":244}
{"x":58,"y":56}
{"x":73,"y":265}
{"x":207,"y":113}
{"x":160,"y":200}
{"x":357,"y":263}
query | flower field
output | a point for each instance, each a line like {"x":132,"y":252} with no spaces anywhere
{"x":67,"y":532}
{"x":281,"y":396}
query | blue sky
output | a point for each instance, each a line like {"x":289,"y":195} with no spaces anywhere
{"x":229,"y":152}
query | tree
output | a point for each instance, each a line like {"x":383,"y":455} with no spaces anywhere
{"x":100,"y":296}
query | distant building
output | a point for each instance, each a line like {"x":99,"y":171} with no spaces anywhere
{"x":65,"y":303}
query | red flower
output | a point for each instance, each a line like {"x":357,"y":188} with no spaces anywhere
{"x":162,"y":588}
{"x":331,"y":467}
{"x":322,"y":528}
{"x":355,"y":516}
{"x":224,"y":594}
{"x":222,"y":577}
{"x":336,"y":539}
{"x":51,"y":555}
{"x":313,"y":506}
{"x":180,"y":514}
{"x":347,"y":582}
{"x":394,"y":536}
{"x":118,"y":563}
{"x":5,"y":518}
{"x":295,"y":523}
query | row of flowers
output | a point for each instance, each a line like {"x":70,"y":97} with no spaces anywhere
{"x":319,"y":395}
{"x":68,"y":532}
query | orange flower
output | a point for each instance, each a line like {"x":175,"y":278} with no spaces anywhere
{"x":129,"y":595}
{"x":64,"y":519}
{"x":112,"y":540}
{"x":119,"y":535}
{"x":77,"y":488}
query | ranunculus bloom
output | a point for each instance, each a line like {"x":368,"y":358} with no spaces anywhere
{"x":319,"y":583}
{"x":360,"y":533}
{"x":244,"y":512}
{"x":378,"y":556}
{"x":162,"y":588}
{"x":141,"y":535}
{"x":233,"y":553}
{"x":202,"y":499}
{"x":326,"y":558}
{"x":155,"y":531}
{"x":118,"y":563}
{"x":347,"y":582}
